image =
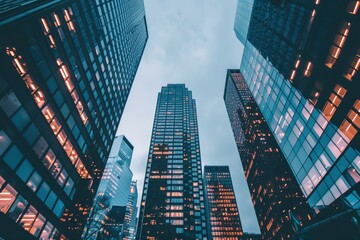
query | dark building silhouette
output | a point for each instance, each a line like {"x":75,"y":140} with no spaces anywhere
{"x":272,"y":185}
{"x":172,"y":203}
{"x":66,"y":71}
{"x":300,"y":62}
{"x":223,"y":214}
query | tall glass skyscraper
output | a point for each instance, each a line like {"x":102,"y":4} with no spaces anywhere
{"x":273,"y":187}
{"x":67,"y":69}
{"x":301,"y":62}
{"x":223,"y":214}
{"x":172,"y":204}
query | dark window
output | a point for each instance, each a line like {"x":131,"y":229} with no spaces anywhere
{"x":13,"y":157}
{"x":43,"y":191}
{"x":25,"y":170}
{"x":20,"y":119}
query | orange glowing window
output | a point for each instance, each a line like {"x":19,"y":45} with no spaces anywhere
{"x":354,"y":67}
{"x":353,"y":7}
{"x":334,"y":101}
{"x":338,"y":44}
{"x":56,"y":20}
{"x":45,"y":26}
{"x":308,"y":69}
{"x":351,"y":124}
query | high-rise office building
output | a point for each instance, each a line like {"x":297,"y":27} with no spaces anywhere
{"x":273,"y":187}
{"x":301,"y":62}
{"x":129,"y":227}
{"x":114,"y":187}
{"x":223,"y":214}
{"x":172,"y":204}
{"x":67,"y":69}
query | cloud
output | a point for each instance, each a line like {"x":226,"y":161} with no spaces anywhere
{"x":190,"y":42}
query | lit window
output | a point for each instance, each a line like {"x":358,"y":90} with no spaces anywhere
{"x":7,"y":197}
{"x":351,"y":124}
{"x":309,"y":67}
{"x":354,"y":67}
{"x":353,"y":7}
{"x":56,"y":20}
{"x":28,"y":218}
{"x":338,"y":43}
{"x":334,"y":101}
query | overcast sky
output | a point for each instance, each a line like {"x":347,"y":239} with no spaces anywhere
{"x":191,"y":42}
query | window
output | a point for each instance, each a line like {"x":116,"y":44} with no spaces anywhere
{"x":40,"y":147}
{"x":9,"y":103}
{"x":13,"y":157}
{"x":55,"y":168}
{"x":49,"y":159}
{"x":334,"y":101}
{"x":45,"y":234}
{"x":58,"y":209}
{"x":338,"y":44}
{"x":25,"y":170}
{"x":28,"y":218}
{"x":20,"y":119}
{"x":43,"y":191}
{"x":7,"y":197}
{"x":353,"y":7}
{"x":351,"y":124}
{"x":50,"y":201}
{"x":353,"y":67}
{"x":34,"y":181}
{"x":37,"y":225}
{"x":62,"y":177}
{"x":17,"y":208}
{"x":4,"y":142}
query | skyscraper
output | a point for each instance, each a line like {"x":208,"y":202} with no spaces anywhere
{"x":223,"y":214}
{"x":305,"y":81}
{"x":273,"y":187}
{"x":114,"y":187}
{"x":172,"y":204}
{"x":129,"y":227}
{"x":67,"y":69}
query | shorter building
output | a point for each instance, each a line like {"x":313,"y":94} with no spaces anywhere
{"x":114,"y":188}
{"x":273,"y":187}
{"x":223,"y":214}
{"x":129,"y":226}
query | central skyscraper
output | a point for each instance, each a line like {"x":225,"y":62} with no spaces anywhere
{"x":172,"y":204}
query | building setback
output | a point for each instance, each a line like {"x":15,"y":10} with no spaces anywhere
{"x":273,"y":187}
{"x":223,"y":214}
{"x":172,"y":204}
{"x":300,"y":62}
{"x":67,"y":69}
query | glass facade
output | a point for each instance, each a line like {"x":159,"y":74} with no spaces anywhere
{"x":115,"y":183}
{"x":273,"y":187}
{"x":242,"y":19}
{"x":172,"y":203}
{"x":304,"y":86}
{"x":129,"y":227}
{"x":67,"y":71}
{"x":223,"y":214}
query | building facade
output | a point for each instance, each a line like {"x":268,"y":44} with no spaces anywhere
{"x":129,"y":227}
{"x":67,"y":69}
{"x":305,"y":81}
{"x":223,"y":214}
{"x":273,"y":187}
{"x":113,"y":190}
{"x":172,"y":204}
